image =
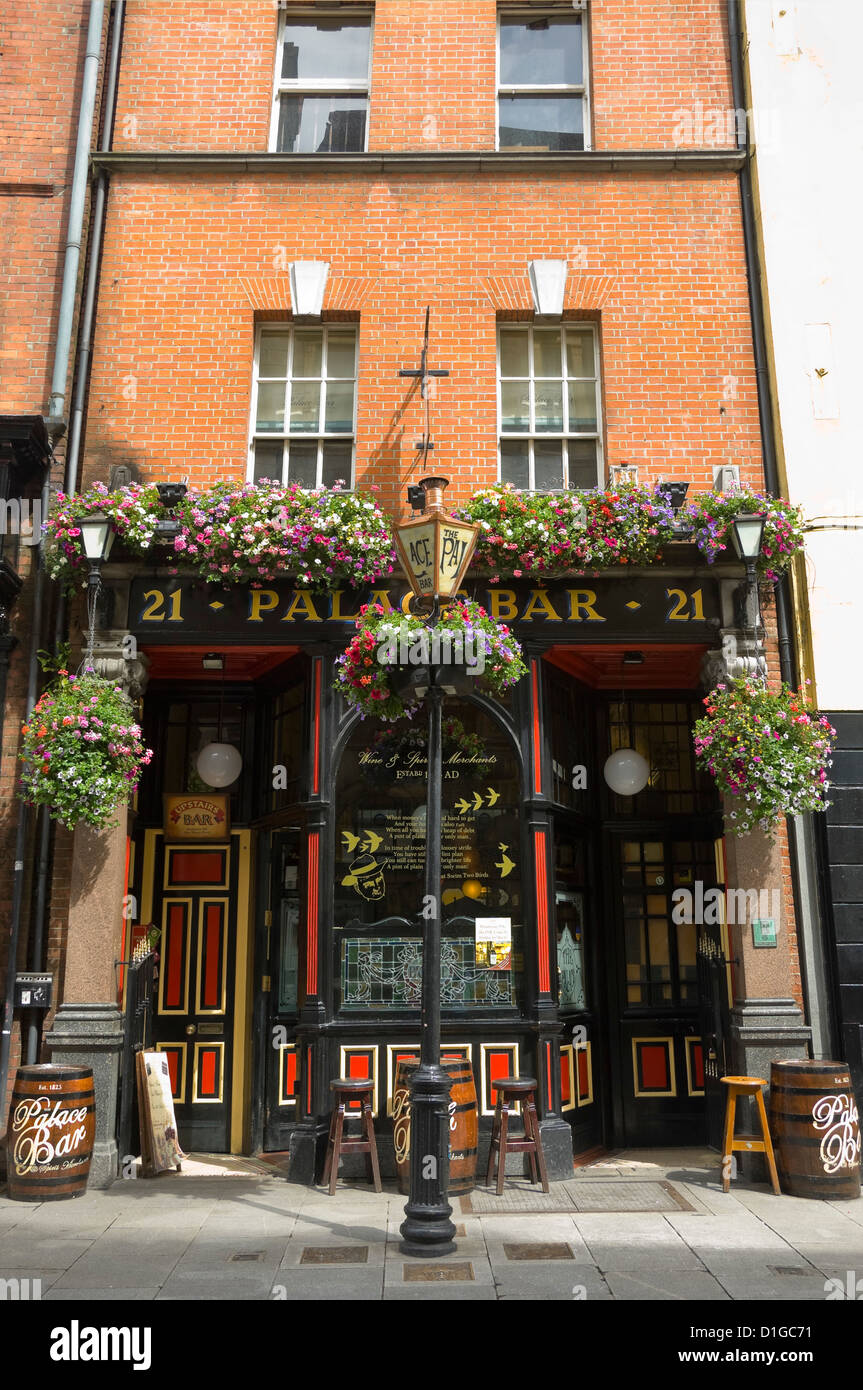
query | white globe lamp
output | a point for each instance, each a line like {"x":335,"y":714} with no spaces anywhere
{"x":219,"y":764}
{"x":626,"y":772}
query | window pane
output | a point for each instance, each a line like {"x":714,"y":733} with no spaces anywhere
{"x":582,"y":463}
{"x":322,"y":125}
{"x":549,"y":406}
{"x":337,"y":465}
{"x":271,"y":406}
{"x":546,"y":354}
{"x":541,"y":123}
{"x":303,"y":465}
{"x":515,"y":405}
{"x":513,"y":354}
{"x":579,"y":354}
{"x":547,"y":467}
{"x":340,"y":406}
{"x":541,"y":51}
{"x":582,"y":406}
{"x":305,"y":405}
{"x":341,"y":354}
{"x":268,"y":462}
{"x":326,"y":48}
{"x":514,"y":464}
{"x":273,"y":359}
{"x":307,"y":354}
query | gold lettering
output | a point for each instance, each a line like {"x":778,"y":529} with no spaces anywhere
{"x":500,"y":600}
{"x":338,"y":615}
{"x":582,"y":601}
{"x":302,"y":599}
{"x":540,"y":602}
{"x":261,"y":601}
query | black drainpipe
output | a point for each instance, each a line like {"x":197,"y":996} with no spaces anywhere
{"x":73,"y":453}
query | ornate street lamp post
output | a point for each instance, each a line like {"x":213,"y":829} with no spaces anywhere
{"x":435,"y":550}
{"x":747,"y":534}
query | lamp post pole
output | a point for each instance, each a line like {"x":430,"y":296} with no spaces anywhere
{"x":427,"y":1228}
{"x":435,"y":551}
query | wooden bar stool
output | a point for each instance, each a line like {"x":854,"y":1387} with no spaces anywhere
{"x":515,"y":1088}
{"x":748,"y":1143}
{"x":347,"y":1089}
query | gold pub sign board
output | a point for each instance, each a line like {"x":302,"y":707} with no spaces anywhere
{"x":196,"y":817}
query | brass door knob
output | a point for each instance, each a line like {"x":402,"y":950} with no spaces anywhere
{"x":191,"y":1028}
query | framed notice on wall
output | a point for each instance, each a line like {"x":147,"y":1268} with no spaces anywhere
{"x":160,"y":1149}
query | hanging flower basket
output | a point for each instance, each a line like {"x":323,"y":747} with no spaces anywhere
{"x":134,"y":511}
{"x":377,"y":672}
{"x":711,"y":515}
{"x":82,"y":751}
{"x":768,"y":751}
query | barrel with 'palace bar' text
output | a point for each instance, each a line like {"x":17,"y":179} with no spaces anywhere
{"x":816,"y":1135}
{"x":49,"y":1145}
{"x":463,"y":1123}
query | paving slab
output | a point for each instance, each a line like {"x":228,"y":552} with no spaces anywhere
{"x":664,"y":1285}
{"x":320,"y":1284}
{"x":143,"y":1295}
{"x":42,"y":1250}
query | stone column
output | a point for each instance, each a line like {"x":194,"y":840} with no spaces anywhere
{"x":88,"y":1025}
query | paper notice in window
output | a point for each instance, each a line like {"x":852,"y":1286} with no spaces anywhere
{"x":494,"y":943}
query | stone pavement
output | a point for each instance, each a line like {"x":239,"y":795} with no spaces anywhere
{"x":641,"y":1225}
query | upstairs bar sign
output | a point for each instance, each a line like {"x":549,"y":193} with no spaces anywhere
{"x":184,"y":610}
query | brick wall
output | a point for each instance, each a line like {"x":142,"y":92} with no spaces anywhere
{"x":201,"y":77}
{"x":173,"y":355}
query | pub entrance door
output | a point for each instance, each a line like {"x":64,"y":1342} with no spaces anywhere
{"x":656,"y":1033}
{"x":198,"y":894}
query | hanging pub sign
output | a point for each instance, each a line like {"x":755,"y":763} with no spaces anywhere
{"x":196,"y":816}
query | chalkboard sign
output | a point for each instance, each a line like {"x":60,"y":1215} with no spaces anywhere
{"x":160,"y":1149}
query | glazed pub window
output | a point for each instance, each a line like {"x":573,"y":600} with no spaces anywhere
{"x":321,"y":97}
{"x":542,"y":93}
{"x":549,"y":407}
{"x":304,"y":405}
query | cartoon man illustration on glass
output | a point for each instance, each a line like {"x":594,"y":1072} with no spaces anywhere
{"x":366,"y":876}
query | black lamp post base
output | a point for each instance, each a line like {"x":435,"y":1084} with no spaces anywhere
{"x":427,"y":1229}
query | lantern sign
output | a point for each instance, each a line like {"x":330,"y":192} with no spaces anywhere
{"x":436,"y":549}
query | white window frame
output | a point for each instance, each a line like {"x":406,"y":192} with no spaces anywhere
{"x":532,"y":435}
{"x":286,"y":437}
{"x":318,"y":86}
{"x":515,"y":12}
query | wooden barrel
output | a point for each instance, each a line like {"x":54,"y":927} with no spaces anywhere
{"x":463,"y":1123}
{"x":814,"y":1124}
{"x":49,"y":1145}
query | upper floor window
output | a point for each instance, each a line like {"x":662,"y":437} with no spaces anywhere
{"x":322,"y":83}
{"x":550,"y":433}
{"x":304,"y":406}
{"x":541,"y":84}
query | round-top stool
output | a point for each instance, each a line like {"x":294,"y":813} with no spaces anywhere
{"x":747,"y":1143}
{"x":347,"y":1089}
{"x":513,"y":1089}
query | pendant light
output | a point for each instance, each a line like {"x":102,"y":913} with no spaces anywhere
{"x":626,"y":771}
{"x":219,"y":764}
